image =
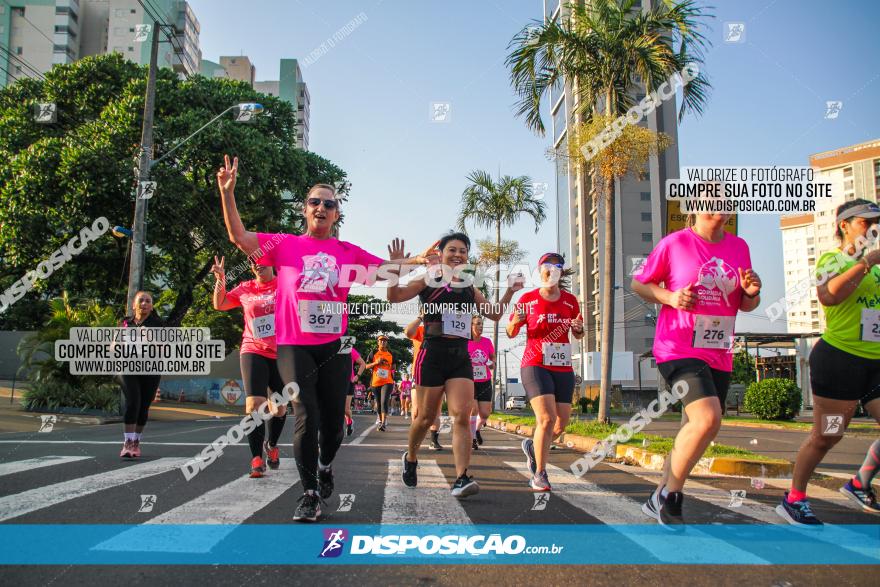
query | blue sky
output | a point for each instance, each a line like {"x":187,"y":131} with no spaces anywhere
{"x":371,"y":97}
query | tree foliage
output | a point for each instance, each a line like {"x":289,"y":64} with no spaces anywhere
{"x":57,"y":178}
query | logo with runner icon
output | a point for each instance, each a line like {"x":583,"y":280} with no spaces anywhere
{"x":334,"y":541}
{"x":319,"y":273}
{"x":718,"y":280}
{"x":832,"y":424}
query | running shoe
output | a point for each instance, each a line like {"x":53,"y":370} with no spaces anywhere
{"x":135,"y":449}
{"x":309,"y":508}
{"x":325,"y":482}
{"x":273,"y":457}
{"x":382,"y":427}
{"x":865,"y":499}
{"x":540,"y":482}
{"x":435,"y":444}
{"x":475,"y":445}
{"x":479,"y":437}
{"x":798,"y":513}
{"x":528,"y":448}
{"x":465,"y":486}
{"x":349,"y":427}
{"x":257,"y":467}
{"x":409,"y":474}
{"x":666,"y":510}
{"x":126,"y":450}
{"x":670,"y":510}
{"x":651,"y":508}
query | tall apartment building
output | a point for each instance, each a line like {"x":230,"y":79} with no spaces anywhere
{"x":239,"y":68}
{"x":289,"y":86}
{"x":854,"y":172}
{"x":640,"y":213}
{"x":41,"y":33}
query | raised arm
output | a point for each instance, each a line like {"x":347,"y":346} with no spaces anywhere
{"x":496,"y":311}
{"x":245,"y":240}
{"x":220,"y":300}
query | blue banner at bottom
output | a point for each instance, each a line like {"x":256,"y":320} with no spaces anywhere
{"x":293,"y":544}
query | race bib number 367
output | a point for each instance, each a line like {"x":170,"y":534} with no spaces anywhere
{"x":317,"y":317}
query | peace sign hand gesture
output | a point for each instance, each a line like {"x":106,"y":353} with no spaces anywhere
{"x":227,"y":175}
{"x":217,"y":269}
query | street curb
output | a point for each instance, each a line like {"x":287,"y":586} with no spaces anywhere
{"x":654,"y":461}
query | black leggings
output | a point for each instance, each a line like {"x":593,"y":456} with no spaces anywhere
{"x":139,"y":392}
{"x":322,"y":375}
{"x":383,"y":395}
{"x":259,"y":373}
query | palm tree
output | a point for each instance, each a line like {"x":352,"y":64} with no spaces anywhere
{"x":491,"y":204}
{"x":606,"y":51}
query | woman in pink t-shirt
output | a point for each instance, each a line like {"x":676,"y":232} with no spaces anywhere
{"x":482,"y":360}
{"x":315,"y":272}
{"x":257,"y":355}
{"x":702,"y":276}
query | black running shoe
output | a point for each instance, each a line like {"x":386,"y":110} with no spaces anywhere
{"x":479,"y":437}
{"x":435,"y":443}
{"x":382,"y":427}
{"x":475,"y":445}
{"x":670,"y":510}
{"x":798,"y":513}
{"x":325,"y":482}
{"x":465,"y":486}
{"x":410,"y":477}
{"x":309,"y":508}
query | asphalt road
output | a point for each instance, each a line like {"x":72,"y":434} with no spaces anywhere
{"x":89,"y":484}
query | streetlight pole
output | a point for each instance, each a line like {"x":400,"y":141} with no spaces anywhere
{"x":139,"y":229}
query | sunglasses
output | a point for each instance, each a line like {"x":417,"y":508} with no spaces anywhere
{"x":328,"y":204}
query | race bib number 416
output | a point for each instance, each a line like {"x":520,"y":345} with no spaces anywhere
{"x":557,"y":354}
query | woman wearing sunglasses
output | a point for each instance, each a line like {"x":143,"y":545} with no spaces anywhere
{"x":315,"y":272}
{"x":548,"y":313}
{"x":257,"y":355}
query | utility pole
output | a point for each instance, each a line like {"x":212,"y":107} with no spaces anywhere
{"x":139,"y":228}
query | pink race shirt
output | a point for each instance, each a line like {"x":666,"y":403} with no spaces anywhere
{"x":258,"y":301}
{"x":310,"y":303}
{"x":354,"y":359}
{"x":683,"y":258}
{"x":481,"y":351}
{"x":405,"y":386}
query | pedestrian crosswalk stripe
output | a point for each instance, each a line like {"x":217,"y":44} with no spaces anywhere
{"x":619,"y":511}
{"x":750,"y":508}
{"x":38,"y":463}
{"x":431,"y":502}
{"x":226,"y":506}
{"x":19,"y":504}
